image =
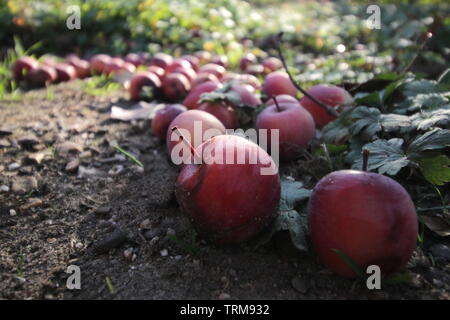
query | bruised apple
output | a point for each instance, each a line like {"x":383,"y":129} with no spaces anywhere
{"x":367,"y":216}
{"x":144,"y":85}
{"x":193,"y":124}
{"x":330,"y":95}
{"x":163,"y":118}
{"x":229,"y":202}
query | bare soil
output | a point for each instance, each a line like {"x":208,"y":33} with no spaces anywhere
{"x":122,"y":226}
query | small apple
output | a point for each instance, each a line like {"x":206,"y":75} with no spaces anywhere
{"x":223,"y":111}
{"x":204,"y":77}
{"x":135,"y":59}
{"x":246,"y":60}
{"x":255,"y":69}
{"x":82,"y":67}
{"x":232,"y":202}
{"x":367,"y":216}
{"x":283,"y":98}
{"x":220,"y":60}
{"x":175,"y":86}
{"x":192,"y":99}
{"x":271,"y":64}
{"x":98,"y":62}
{"x":22,"y":66}
{"x":161,"y":60}
{"x":163,"y":118}
{"x":186,"y":122}
{"x":295,"y":124}
{"x":213,"y":68}
{"x":141,"y":80}
{"x":193,"y":60}
{"x":189,"y":73}
{"x":158,"y":71}
{"x":277,"y":83}
{"x":65,"y":72}
{"x":330,"y":95}
{"x":251,"y":80}
{"x":246,"y":93}
{"x":42,"y":75}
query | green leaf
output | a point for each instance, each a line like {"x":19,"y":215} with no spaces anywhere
{"x":415,"y":87}
{"x":425,"y":120}
{"x":349,"y":262}
{"x":387,"y":156}
{"x":428,"y":101}
{"x":393,"y":122}
{"x":397,"y":278}
{"x":435,"y":169}
{"x":217,"y":96}
{"x":337,"y":131}
{"x":367,"y":121}
{"x":432,"y":140}
{"x":292,"y":192}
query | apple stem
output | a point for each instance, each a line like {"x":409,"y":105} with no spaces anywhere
{"x":329,"y":109}
{"x":428,"y":35}
{"x":180,"y":135}
{"x":276,"y":103}
{"x":365,"y":154}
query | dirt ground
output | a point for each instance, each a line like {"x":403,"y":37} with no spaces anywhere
{"x":68,"y":198}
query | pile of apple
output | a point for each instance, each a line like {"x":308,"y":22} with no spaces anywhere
{"x":369,"y":217}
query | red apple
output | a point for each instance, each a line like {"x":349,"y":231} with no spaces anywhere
{"x":82,"y":67}
{"x":220,"y":60}
{"x":65,"y":72}
{"x":98,"y":62}
{"x":42,"y":75}
{"x":22,"y":66}
{"x":278,"y":83}
{"x":193,"y":60}
{"x":186,"y":122}
{"x":192,"y":99}
{"x":175,"y":86}
{"x":176,"y":64}
{"x":158,"y":71}
{"x":285,"y":99}
{"x":161,"y":60}
{"x":251,"y":80}
{"x":223,"y":111}
{"x":246,"y":60}
{"x":204,"y":77}
{"x":231,"y":202}
{"x":295,"y":124}
{"x":163,"y":118}
{"x":135,"y":59}
{"x":271,"y":64}
{"x":213,"y":68}
{"x":142,"y":80}
{"x":330,"y":95}
{"x":367,"y":216}
{"x":247,"y":94}
{"x":203,"y":56}
{"x":187,"y":72}
{"x":255,"y":70}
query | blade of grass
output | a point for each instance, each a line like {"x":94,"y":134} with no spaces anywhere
{"x":133,"y":158}
{"x":349,"y":262}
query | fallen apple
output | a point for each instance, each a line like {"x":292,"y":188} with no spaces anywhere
{"x":223,"y":111}
{"x":22,"y":66}
{"x":277,"y":83}
{"x":175,"y":87}
{"x":192,"y":99}
{"x":144,"y":85}
{"x":163,"y":118}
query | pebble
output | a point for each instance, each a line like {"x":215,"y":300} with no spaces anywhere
{"x":28,"y":142}
{"x":84,"y":172}
{"x":12,"y":212}
{"x":72,"y":165}
{"x":164,"y":253}
{"x":4,"y":188}
{"x":13,"y":166}
{"x":170,"y":232}
{"x":300,"y":284}
{"x":23,"y":185}
{"x":440,"y":252}
{"x":154,"y":241}
{"x":103,"y":210}
{"x":224,"y":296}
{"x":145,"y":224}
{"x":116,"y":170}
{"x":128,"y":254}
{"x":66,"y":148}
{"x":32,"y":203}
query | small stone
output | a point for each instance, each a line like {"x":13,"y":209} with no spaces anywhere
{"x":32,"y":203}
{"x":146,"y":224}
{"x":36,"y":157}
{"x":72,"y":165}
{"x":103,"y":210}
{"x":299,"y":284}
{"x":84,"y":172}
{"x":154,"y":241}
{"x":23,"y":185}
{"x":51,"y":240}
{"x":13,"y":166}
{"x":224,"y":279}
{"x":415,"y":281}
{"x":86,"y":154}
{"x":28,"y":142}
{"x":170,"y":232}
{"x":66,"y":148}
{"x":12,"y":212}
{"x":128,"y":254}
{"x":116,"y":170}
{"x":164,"y":253}
{"x":4,"y":188}
{"x":137,"y":169}
{"x":178,"y":257}
{"x":440,"y":252}
{"x":224,"y":296}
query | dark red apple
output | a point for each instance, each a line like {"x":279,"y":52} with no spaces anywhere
{"x":82,"y":67}
{"x":144,"y":85}
{"x":98,"y":62}
{"x":367,"y":216}
{"x":193,"y":60}
{"x":246,"y":60}
{"x":283,"y":98}
{"x":277,"y":83}
{"x":176,"y":64}
{"x":271,"y":64}
{"x":161,"y":60}
{"x":213,"y":68}
{"x":223,"y":111}
{"x":158,"y":71}
{"x":187,"y":122}
{"x":42,"y":75}
{"x":175,"y":86}
{"x":330,"y":95}
{"x":163,"y":118}
{"x":231,"y":202}
{"x":220,"y":60}
{"x":192,"y":99}
{"x":295,"y":124}
{"x":187,"y":72}
{"x":22,"y":66}
{"x":135,"y":59}
{"x":65,"y":72}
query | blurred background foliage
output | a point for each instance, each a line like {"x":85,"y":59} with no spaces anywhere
{"x":326,"y":38}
